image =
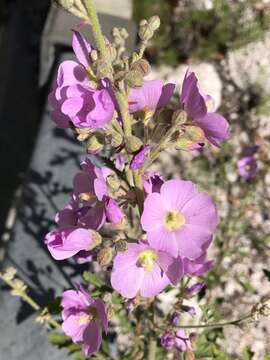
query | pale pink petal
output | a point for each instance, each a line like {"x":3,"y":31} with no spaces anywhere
{"x":163,"y":240}
{"x":153,"y":282}
{"x":175,"y":193}
{"x":153,"y":213}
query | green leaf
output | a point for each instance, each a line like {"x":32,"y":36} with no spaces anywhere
{"x":93,"y":279}
{"x":58,"y":339}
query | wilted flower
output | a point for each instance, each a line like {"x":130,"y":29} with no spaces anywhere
{"x":141,"y":269}
{"x":152,"y":181}
{"x":180,"y":219}
{"x":200,"y":108}
{"x":84,"y":318}
{"x":167,"y":340}
{"x":198,"y":266}
{"x":140,"y":158}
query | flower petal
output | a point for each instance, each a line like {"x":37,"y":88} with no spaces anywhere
{"x":81,"y":48}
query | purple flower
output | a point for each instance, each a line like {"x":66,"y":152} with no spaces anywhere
{"x":142,"y":269}
{"x":182,"y":342}
{"x":84,"y":318}
{"x":175,"y":318}
{"x":140,"y":158}
{"x":247,"y":165}
{"x":120,"y":162}
{"x":152,"y":181}
{"x":180,"y":219}
{"x":72,"y":97}
{"x":198,"y":266}
{"x":194,"y":289}
{"x":167,"y":341}
{"x":65,"y":243}
{"x":198,"y":107}
{"x":113,"y":212}
{"x":151,"y":96}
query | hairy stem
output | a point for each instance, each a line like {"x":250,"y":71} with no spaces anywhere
{"x":99,"y":38}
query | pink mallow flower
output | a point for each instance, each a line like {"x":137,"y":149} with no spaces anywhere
{"x":198,"y":266}
{"x":151,"y":96}
{"x":200,"y":108}
{"x":65,"y":243}
{"x":247,"y":165}
{"x":144,"y":270}
{"x":72,"y":98}
{"x":84,"y":319}
{"x":180,"y":219}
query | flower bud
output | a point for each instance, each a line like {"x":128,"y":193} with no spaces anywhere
{"x":133,"y":144}
{"x":179,"y":117}
{"x":141,"y":66}
{"x":102,"y":68}
{"x":192,"y":139}
{"x":175,"y":318}
{"x":94,"y":55}
{"x":113,"y":183}
{"x":167,"y":340}
{"x":116,"y":138}
{"x":134,"y":78}
{"x":121,"y":245}
{"x":104,"y":256}
{"x":95,"y":143}
{"x":83,"y":133}
{"x":96,"y":239}
{"x":154,"y":22}
{"x":194,"y":289}
{"x":145,"y":31}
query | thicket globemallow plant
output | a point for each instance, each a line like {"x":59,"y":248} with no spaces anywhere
{"x":139,"y":234}
{"x":161,"y":229}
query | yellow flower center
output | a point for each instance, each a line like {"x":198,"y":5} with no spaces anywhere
{"x":174,"y":220}
{"x":84,"y":319}
{"x":147,"y":259}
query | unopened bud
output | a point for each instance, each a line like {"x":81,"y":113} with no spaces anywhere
{"x":145,"y":31}
{"x":95,"y":143}
{"x":154,"y":22}
{"x":133,"y":144}
{"x":134,"y":78}
{"x":179,"y":117}
{"x":102,"y":68}
{"x":112,"y":52}
{"x":104,"y":256}
{"x":83,"y":133}
{"x":117,"y":138}
{"x":121,"y":246}
{"x":124,"y":33}
{"x":94,"y":55}
{"x":96,"y":239}
{"x":113,"y":183}
{"x":141,"y":66}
